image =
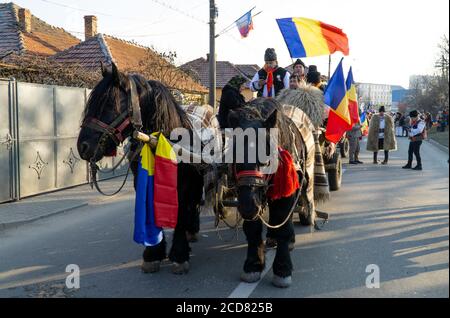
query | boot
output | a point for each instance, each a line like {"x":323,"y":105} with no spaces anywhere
{"x":408,"y":166}
{"x":418,"y":168}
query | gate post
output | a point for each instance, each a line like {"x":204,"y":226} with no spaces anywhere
{"x":14,"y":124}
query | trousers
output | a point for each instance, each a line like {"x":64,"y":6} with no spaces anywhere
{"x":414,"y":148}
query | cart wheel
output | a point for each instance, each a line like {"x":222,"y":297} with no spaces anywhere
{"x":335,"y":175}
{"x":345,"y":148}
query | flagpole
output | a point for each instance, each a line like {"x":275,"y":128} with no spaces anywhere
{"x":212,"y":54}
{"x":329,"y":66}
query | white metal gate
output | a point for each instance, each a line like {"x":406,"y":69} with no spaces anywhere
{"x":39,"y":126}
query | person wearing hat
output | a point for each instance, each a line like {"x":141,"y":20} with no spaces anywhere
{"x":314,"y":78}
{"x":381,"y":135}
{"x":271,"y":79}
{"x":417,"y":133}
{"x":231,"y":98}
{"x":299,"y":68}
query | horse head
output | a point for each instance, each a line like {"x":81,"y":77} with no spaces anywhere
{"x":106,"y":118}
{"x":252,"y":182}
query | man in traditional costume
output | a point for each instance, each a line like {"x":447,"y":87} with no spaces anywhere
{"x":271,"y":79}
{"x":381,"y":135}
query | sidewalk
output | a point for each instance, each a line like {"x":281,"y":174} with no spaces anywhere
{"x":31,"y":209}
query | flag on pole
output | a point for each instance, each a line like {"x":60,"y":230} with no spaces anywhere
{"x":305,"y":37}
{"x":245,"y":24}
{"x":335,"y":96}
{"x":364,"y":124}
{"x":352,"y":98}
{"x":156,"y":204}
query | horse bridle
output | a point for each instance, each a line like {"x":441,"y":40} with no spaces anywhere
{"x":115,"y":131}
{"x":255,"y":179}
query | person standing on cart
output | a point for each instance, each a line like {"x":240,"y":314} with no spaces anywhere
{"x":271,"y":79}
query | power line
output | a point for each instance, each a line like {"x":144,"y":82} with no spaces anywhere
{"x":137,"y":35}
{"x":91,"y":11}
{"x":168,"y":6}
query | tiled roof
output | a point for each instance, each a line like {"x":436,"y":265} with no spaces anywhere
{"x":9,"y":30}
{"x":225,"y":71}
{"x":126,"y":55}
{"x":43,"y":39}
{"x":87,"y":54}
{"x":249,"y":70}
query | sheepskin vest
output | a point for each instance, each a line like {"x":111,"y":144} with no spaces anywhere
{"x":278,"y":80}
{"x":390,"y":143}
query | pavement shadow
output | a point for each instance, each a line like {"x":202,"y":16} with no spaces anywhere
{"x":369,"y":238}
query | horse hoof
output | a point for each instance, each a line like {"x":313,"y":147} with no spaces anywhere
{"x":151,"y":267}
{"x":251,"y":277}
{"x":180,"y":268}
{"x":281,"y":282}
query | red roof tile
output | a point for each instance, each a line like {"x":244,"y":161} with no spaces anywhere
{"x":43,"y":39}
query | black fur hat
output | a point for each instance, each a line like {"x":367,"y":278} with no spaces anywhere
{"x":414,"y":113}
{"x":300,"y":62}
{"x":270,"y":55}
{"x":312,"y":68}
{"x":313,"y":77}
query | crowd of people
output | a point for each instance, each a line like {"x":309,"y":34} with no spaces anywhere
{"x":384,"y":127}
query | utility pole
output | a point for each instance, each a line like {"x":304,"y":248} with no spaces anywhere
{"x":212,"y":53}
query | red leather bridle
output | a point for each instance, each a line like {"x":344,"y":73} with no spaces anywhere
{"x":253,"y":178}
{"x":116,"y":129}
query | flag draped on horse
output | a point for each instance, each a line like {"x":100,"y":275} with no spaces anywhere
{"x":156,"y":204}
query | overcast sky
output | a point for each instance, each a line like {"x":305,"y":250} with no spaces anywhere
{"x":389,"y":39}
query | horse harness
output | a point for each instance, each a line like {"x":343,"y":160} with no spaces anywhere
{"x":115,"y":131}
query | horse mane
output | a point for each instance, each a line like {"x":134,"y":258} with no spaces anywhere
{"x":104,"y":92}
{"x":160,"y":110}
{"x":263,"y":109}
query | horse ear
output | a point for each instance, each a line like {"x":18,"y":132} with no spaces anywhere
{"x":115,"y":74}
{"x":271,"y":121}
{"x":233,"y":119}
{"x":104,"y":69}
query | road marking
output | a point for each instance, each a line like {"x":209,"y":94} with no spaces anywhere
{"x":244,"y":290}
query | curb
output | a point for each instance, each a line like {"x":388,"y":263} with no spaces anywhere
{"x":5,"y":226}
{"x":438,"y":145}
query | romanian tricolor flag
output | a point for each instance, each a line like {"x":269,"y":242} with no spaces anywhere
{"x":245,"y":24}
{"x":156,"y":204}
{"x":352,"y":98}
{"x":305,"y":37}
{"x":336,"y":98}
{"x":364,"y":124}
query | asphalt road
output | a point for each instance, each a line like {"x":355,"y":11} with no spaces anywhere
{"x":383,"y":215}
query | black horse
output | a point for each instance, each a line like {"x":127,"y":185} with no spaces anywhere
{"x":265,"y":114}
{"x":109,"y":118}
